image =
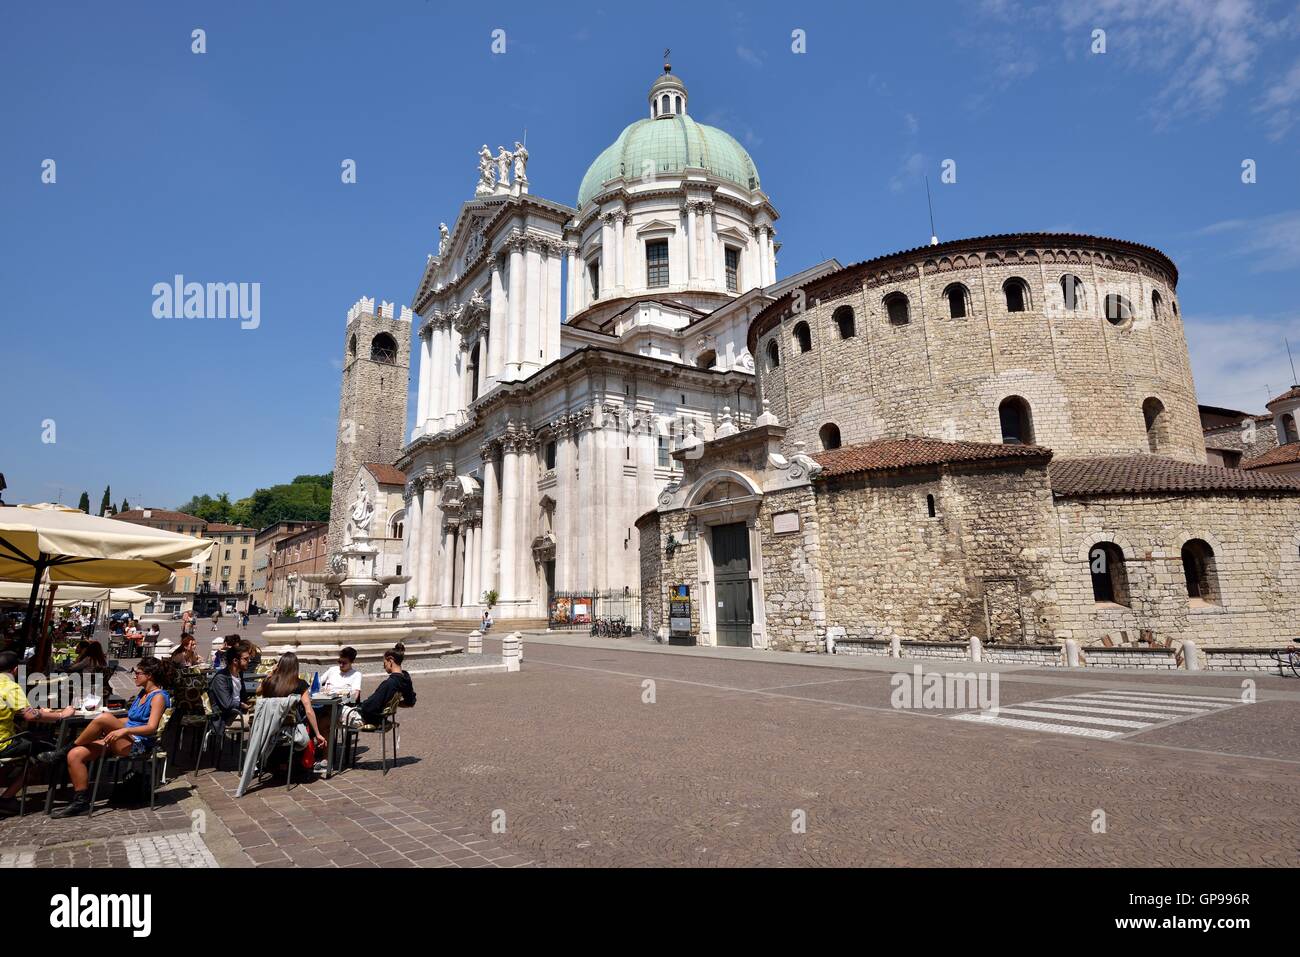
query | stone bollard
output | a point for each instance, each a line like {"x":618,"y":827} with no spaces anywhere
{"x":895,"y":649}
{"x":512,"y":650}
{"x":163,"y":648}
{"x":475,"y":644}
{"x":834,"y":634}
{"x":1071,"y":653}
{"x":1190,"y":661}
{"x":976,"y":649}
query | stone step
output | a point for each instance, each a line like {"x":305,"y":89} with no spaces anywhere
{"x":499,"y":627}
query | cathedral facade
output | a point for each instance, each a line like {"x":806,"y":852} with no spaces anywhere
{"x":566,"y":351}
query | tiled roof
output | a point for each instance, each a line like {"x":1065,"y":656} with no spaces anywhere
{"x":1282,"y":455}
{"x":1291,"y":393}
{"x":1138,"y":474}
{"x":156,"y":515}
{"x":386,"y":474}
{"x":222,"y":527}
{"x":912,"y":451}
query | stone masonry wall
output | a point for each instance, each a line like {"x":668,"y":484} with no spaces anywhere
{"x":889,"y":568}
{"x":1084,"y":378}
{"x":654,"y":601}
{"x":792,"y":571}
{"x":1256,"y":556}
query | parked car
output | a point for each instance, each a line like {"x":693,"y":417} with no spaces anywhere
{"x":303,"y":614}
{"x":177,"y":616}
{"x":328,"y":614}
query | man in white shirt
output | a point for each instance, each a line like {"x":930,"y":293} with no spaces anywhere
{"x":343,"y":679}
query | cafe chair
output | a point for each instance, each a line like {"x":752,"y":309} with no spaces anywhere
{"x":238,"y":731}
{"x":22,"y":762}
{"x":150,"y":757}
{"x":386,"y":725}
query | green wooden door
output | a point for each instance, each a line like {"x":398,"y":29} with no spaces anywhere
{"x":734,"y":613}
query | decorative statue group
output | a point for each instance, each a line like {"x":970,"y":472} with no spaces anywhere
{"x":494,"y":173}
{"x":360,"y":516}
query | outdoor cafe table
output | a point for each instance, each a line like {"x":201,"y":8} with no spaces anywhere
{"x":78,"y":721}
{"x":334,"y":704}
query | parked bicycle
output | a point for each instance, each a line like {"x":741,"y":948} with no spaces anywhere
{"x":1288,"y":658}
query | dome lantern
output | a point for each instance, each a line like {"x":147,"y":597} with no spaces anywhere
{"x":667,"y":96}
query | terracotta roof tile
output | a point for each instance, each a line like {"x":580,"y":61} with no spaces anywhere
{"x":1282,"y":455}
{"x":156,"y":515}
{"x":386,"y":474}
{"x":222,"y":527}
{"x":1291,"y":393}
{"x":913,"y":451}
{"x":1138,"y":474}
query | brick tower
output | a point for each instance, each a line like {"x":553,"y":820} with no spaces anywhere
{"x":372,"y":400}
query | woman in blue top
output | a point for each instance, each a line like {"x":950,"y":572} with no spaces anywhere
{"x":133,"y":734}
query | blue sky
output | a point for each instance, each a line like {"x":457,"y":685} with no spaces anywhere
{"x":225,"y":167}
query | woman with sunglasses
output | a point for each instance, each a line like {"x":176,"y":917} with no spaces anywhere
{"x":133,"y":734}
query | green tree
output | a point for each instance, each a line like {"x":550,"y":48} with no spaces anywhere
{"x":84,"y":504}
{"x":126,"y":506}
{"x":105,"y":503}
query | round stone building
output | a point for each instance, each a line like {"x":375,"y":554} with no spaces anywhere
{"x":1066,"y":341}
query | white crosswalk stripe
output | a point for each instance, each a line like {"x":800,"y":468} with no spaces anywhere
{"x":1100,"y":714}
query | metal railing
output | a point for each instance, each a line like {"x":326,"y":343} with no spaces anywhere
{"x":581,"y":610}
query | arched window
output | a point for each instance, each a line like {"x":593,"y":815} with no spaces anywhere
{"x":1156,"y":303}
{"x":830,"y":436}
{"x":677,"y":102}
{"x":472,"y":371}
{"x":1017,"y":421}
{"x":1199,"y":571}
{"x":664,"y":108}
{"x":844,"y":320}
{"x":1017,"y":294}
{"x":1072,"y":291}
{"x":706,"y":360}
{"x":383,"y":348}
{"x":1289,"y":433}
{"x":803,"y":336}
{"x":896,"y":307}
{"x":773,"y":354}
{"x":958,"y":297}
{"x":1157,"y":423}
{"x":1117,"y":309}
{"x":929,"y":505}
{"x":352,"y":345}
{"x":1109,"y":576}
{"x":396,"y":529}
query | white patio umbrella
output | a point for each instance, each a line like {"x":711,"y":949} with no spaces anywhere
{"x":58,"y":544}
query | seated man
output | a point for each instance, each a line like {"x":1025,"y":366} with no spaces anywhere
{"x":14,"y":704}
{"x":343,"y":679}
{"x":226,"y":689}
{"x":397,"y":682}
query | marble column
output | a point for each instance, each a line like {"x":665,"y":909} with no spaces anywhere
{"x":692,"y":242}
{"x":429,"y":531}
{"x":564,"y":504}
{"x":448,"y":563}
{"x":531,"y":348}
{"x":411,"y":547}
{"x":574,"y":283}
{"x":489,"y":559}
{"x":515,"y":322}
{"x":432,"y":381}
{"x":510,"y":516}
{"x":497,"y":322}
{"x":620,"y":249}
{"x":526,"y":582}
{"x":552,"y":322}
{"x":608,"y":271}
{"x":471,"y":565}
{"x":422,"y":378}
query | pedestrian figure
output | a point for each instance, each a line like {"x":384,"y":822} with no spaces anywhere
{"x":216,"y":617}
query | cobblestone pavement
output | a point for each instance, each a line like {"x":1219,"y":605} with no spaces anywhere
{"x":354,"y":819}
{"x":732,"y":755}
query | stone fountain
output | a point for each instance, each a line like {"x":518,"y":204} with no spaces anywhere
{"x":352,"y":581}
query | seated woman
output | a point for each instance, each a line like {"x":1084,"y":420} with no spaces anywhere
{"x":284,"y":681}
{"x":90,"y":657}
{"x":134,"y":734}
{"x":186,"y":654}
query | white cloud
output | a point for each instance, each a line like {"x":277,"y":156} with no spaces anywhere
{"x":909,"y":173}
{"x":1272,"y":242}
{"x":749,"y":56}
{"x":1240,"y":362}
{"x":1281,"y":101}
{"x":911,"y":124}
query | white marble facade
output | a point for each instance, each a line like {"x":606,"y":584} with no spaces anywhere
{"x":558,"y":369}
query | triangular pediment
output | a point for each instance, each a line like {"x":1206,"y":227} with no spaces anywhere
{"x":656,"y":226}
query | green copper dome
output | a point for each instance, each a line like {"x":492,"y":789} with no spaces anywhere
{"x":671,"y":143}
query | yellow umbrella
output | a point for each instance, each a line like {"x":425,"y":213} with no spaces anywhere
{"x":58,"y":544}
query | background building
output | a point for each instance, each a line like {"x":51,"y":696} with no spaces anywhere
{"x":303,"y":552}
{"x":263,"y":569}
